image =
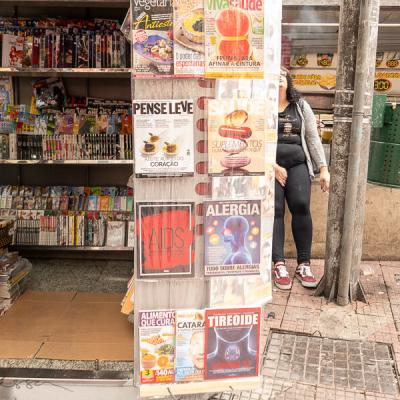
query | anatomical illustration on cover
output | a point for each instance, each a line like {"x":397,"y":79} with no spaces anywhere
{"x":232,"y":343}
{"x":232,"y":237}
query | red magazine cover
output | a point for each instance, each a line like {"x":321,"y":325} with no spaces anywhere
{"x":232,"y":343}
{"x":165,"y":239}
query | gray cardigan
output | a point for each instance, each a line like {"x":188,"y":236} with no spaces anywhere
{"x":310,"y":139}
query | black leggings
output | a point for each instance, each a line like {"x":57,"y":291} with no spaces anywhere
{"x":297,"y":194}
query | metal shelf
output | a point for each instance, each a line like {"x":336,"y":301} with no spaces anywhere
{"x":69,"y":248}
{"x":68,"y":72}
{"x":67,"y":162}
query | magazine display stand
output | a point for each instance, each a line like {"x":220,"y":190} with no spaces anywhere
{"x":171,"y":282}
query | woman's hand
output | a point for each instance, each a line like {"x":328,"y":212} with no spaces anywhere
{"x":280,"y":175}
{"x":324,"y":179}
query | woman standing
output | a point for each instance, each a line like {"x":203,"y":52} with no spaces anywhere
{"x":299,"y":148}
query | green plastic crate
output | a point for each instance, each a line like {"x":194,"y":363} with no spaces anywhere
{"x":384,"y":164}
{"x":389,"y":131}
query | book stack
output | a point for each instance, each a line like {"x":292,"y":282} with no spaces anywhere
{"x":70,"y":216}
{"x":13,"y":277}
{"x":62,"y":43}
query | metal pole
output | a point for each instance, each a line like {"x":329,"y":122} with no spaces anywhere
{"x":347,"y":51}
{"x":362,"y":183}
{"x":363,"y":91}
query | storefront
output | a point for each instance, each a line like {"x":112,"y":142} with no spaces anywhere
{"x":309,"y":49}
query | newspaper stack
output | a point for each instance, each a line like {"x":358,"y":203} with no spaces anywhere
{"x":13,"y":277}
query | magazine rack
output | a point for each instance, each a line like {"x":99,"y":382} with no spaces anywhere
{"x":195,"y":292}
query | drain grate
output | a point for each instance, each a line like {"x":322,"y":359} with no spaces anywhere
{"x":338,"y":363}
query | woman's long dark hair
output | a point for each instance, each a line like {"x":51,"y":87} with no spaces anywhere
{"x":292,"y":95}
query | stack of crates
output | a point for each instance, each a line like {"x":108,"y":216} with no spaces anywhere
{"x":384,"y":156}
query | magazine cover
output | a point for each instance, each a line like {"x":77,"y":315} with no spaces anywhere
{"x":157,"y":346}
{"x":165,"y":239}
{"x":163,"y":137}
{"x":6,"y":93}
{"x":236,"y":136}
{"x":12,"y":51}
{"x":234,"y":39}
{"x":152,"y":36}
{"x":188,"y":37}
{"x":232,"y":343}
{"x":232,"y":237}
{"x":131,"y":234}
{"x":115,"y":233}
{"x":189,"y":345}
{"x":126,"y":26}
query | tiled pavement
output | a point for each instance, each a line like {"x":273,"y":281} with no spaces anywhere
{"x":320,"y":351}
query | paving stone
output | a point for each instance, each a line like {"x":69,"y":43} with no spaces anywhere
{"x":378,"y":309}
{"x":280,"y":297}
{"x":273,"y":315}
{"x":340,"y":364}
{"x":313,"y":361}
{"x":341,"y":357}
{"x":300,"y":320}
{"x":305,"y":301}
{"x":353,"y":366}
{"x":298,"y":366}
{"x":391,"y":277}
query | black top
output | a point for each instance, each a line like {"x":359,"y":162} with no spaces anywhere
{"x":289,"y":150}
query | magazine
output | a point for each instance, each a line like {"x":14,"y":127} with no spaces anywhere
{"x":163,"y":137}
{"x":189,"y":345}
{"x":232,"y":237}
{"x":131,"y":234}
{"x":165,"y":239}
{"x":236,"y":137}
{"x":6,"y":93}
{"x":234,"y":39}
{"x":12,"y":50}
{"x":188,"y":37}
{"x":157,"y":346}
{"x":232,"y":343}
{"x":115,"y":233}
{"x":126,"y":26}
{"x":152,"y":37}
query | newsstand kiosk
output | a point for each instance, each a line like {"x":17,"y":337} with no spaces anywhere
{"x":205,"y":81}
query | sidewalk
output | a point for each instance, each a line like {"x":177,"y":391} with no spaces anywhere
{"x":323,"y":351}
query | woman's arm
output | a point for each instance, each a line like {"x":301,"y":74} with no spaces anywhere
{"x":313,"y":140}
{"x":315,"y":147}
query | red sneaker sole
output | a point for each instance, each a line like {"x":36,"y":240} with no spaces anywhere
{"x":309,"y":285}
{"x":283,"y":287}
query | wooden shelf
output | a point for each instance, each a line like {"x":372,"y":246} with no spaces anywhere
{"x":68,"y":3}
{"x":68,"y":72}
{"x":69,"y":248}
{"x":67,"y":162}
{"x":223,"y":385}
